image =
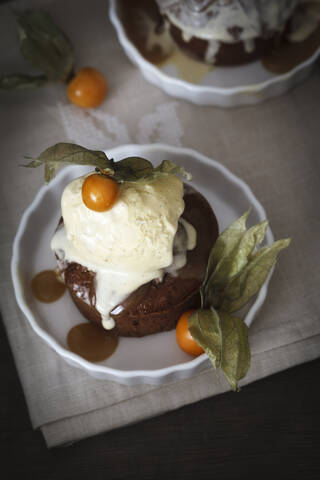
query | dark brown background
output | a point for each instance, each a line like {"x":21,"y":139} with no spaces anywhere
{"x":271,"y":429}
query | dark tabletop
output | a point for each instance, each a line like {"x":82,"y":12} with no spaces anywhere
{"x":271,"y":429}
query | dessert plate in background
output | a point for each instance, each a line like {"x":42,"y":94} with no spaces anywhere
{"x":221,"y":86}
{"x":152,"y":359}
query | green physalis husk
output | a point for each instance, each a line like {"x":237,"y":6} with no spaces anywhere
{"x":224,"y":338}
{"x":129,"y":169}
{"x":236,"y":271}
{"x":44,"y":45}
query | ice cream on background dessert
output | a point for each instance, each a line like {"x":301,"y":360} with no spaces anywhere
{"x":231,"y":32}
{"x":128,"y":245}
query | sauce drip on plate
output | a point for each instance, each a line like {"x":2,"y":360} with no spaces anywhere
{"x":46,"y":286}
{"x":91,"y":342}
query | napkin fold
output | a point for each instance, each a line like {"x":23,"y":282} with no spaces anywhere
{"x":273,"y":146}
{"x":169,"y":397}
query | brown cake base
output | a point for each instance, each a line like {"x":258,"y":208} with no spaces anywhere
{"x":156,"y":306}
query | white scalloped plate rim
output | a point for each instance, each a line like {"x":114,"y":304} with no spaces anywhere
{"x":131,"y":377}
{"x":210,"y":95}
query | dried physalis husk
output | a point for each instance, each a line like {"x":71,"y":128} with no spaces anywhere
{"x":236,"y":270}
{"x":131,"y":169}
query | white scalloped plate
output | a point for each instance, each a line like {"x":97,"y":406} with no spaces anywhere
{"x":153,"y":359}
{"x":223,"y":87}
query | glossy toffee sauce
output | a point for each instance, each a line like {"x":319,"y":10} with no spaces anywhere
{"x":46,"y":287}
{"x":281,"y":60}
{"x":91,"y":342}
{"x":190,"y":70}
{"x":86,"y":339}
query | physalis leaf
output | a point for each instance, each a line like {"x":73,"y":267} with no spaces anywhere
{"x":70,"y":154}
{"x":224,"y":244}
{"x":233,"y":262}
{"x":22,"y":82}
{"x":204,"y":326}
{"x":132,"y":169}
{"x":235,"y":350}
{"x":166,"y":166}
{"x":244,"y":286}
{"x":224,"y":338}
{"x":44,"y":45}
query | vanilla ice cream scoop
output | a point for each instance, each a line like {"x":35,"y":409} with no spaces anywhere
{"x":136,"y":234}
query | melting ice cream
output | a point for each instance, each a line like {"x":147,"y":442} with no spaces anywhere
{"x":128,"y":245}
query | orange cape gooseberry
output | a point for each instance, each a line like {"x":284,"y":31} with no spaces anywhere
{"x":87,"y":89}
{"x":184,"y":338}
{"x":99,"y":192}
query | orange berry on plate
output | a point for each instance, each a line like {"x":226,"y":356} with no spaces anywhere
{"x":99,"y":192}
{"x":88,"y":88}
{"x":184,"y":338}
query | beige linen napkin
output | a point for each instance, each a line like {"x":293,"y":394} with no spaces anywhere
{"x":274,"y":147}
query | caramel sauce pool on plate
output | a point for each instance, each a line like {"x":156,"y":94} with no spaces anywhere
{"x":91,"y":342}
{"x":46,"y":287}
{"x":86,"y":339}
